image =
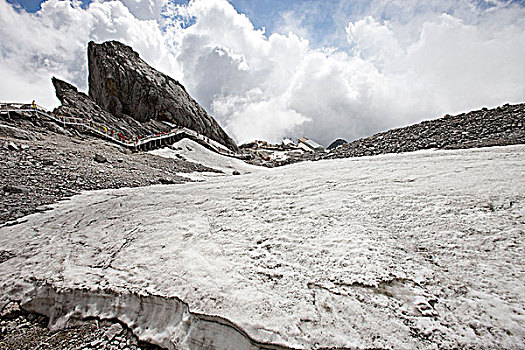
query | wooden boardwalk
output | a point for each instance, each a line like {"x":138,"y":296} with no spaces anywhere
{"x":103,"y":131}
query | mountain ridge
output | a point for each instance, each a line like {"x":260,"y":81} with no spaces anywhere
{"x":499,"y":126}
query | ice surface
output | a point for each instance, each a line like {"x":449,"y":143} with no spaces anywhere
{"x":419,"y":250}
{"x":196,"y":153}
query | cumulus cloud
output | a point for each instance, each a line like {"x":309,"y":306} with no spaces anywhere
{"x":145,"y":9}
{"x":457,"y":66}
{"x":392,"y":73}
{"x":53,"y":41}
{"x":399,"y":61}
{"x":252,"y":115}
{"x":373,"y":41}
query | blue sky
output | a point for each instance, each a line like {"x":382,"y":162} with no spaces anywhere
{"x":261,"y":11}
{"x":323,"y":69}
{"x":34,"y":5}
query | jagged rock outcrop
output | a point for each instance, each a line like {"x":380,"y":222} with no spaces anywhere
{"x":500,"y":126}
{"x":125,"y":85}
{"x":79,"y":105}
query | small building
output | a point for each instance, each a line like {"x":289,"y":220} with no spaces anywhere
{"x":309,"y":145}
{"x":288,"y":144}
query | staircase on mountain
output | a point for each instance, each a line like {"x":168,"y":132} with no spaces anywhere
{"x":100,"y":130}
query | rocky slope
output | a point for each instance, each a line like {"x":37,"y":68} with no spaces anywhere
{"x":504,"y":125}
{"x":122,"y":83}
{"x":46,"y":163}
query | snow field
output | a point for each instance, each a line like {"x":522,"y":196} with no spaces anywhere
{"x":196,"y":153}
{"x":420,"y":250}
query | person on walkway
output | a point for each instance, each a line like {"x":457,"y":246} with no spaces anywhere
{"x":33,"y":105}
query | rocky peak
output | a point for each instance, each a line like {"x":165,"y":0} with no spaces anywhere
{"x":63,"y":90}
{"x":125,"y":85}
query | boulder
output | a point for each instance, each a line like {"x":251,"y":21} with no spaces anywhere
{"x":15,"y":189}
{"x":167,"y":181}
{"x":100,"y":159}
{"x":113,"y":331}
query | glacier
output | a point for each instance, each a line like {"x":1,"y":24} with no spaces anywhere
{"x":420,"y":250}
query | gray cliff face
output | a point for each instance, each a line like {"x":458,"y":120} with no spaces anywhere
{"x":122,"y":83}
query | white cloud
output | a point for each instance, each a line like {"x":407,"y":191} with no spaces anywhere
{"x":53,"y":41}
{"x":145,"y":9}
{"x":396,"y":72}
{"x":455,"y":66}
{"x":404,"y":61}
{"x":290,"y":23}
{"x":254,"y":116}
{"x":373,"y":41}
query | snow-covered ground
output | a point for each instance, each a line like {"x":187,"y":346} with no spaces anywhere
{"x":419,"y":250}
{"x":196,"y":153}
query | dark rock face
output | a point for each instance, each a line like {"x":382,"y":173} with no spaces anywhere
{"x":500,"y":126}
{"x":336,"y":143}
{"x":122,"y":83}
{"x":79,"y":105}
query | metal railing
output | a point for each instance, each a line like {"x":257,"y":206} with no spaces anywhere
{"x":105,"y":132}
